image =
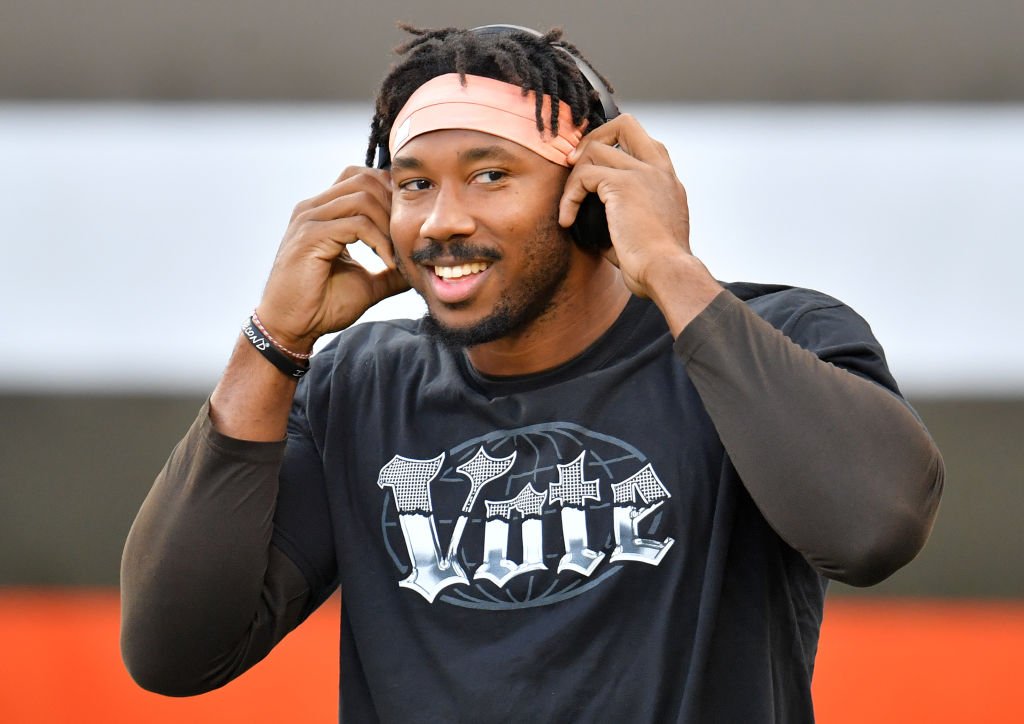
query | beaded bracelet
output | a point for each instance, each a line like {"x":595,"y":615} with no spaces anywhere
{"x":260,"y":327}
{"x":263,"y":345}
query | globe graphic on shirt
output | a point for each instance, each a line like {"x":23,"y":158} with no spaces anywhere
{"x":527,"y":517}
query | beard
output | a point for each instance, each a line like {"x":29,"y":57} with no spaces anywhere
{"x":545,"y":268}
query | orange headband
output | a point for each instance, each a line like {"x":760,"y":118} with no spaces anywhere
{"x":486,"y":105}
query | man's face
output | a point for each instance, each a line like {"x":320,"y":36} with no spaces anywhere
{"x":475,"y":230}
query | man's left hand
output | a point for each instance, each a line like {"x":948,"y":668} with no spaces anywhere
{"x":648,"y":216}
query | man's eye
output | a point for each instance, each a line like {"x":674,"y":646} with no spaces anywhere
{"x":490,"y":177}
{"x":416,"y":184}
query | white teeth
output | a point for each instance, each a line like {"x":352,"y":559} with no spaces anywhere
{"x":455,"y":272}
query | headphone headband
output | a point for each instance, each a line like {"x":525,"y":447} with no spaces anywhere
{"x":608,"y":108}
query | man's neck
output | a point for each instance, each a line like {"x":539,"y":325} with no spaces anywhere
{"x":592,"y":298}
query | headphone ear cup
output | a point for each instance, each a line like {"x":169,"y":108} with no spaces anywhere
{"x":590,"y":230}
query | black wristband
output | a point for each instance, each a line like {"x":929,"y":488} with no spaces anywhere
{"x":270,"y":353}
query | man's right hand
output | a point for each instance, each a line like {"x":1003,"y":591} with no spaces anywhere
{"x":315,"y":287}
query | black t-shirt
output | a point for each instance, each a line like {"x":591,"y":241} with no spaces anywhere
{"x":570,"y":546}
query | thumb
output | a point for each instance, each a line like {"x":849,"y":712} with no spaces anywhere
{"x":387,"y":283}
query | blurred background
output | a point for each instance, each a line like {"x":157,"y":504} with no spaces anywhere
{"x":150,"y":156}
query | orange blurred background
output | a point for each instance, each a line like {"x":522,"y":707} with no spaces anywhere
{"x":879,"y":661}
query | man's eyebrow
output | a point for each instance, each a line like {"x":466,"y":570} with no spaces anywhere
{"x":406,"y":163}
{"x":485,"y":153}
{"x":470,"y":155}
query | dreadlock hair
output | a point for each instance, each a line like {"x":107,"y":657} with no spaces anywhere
{"x":533,"y":63}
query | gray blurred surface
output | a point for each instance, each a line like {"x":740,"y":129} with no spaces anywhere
{"x":74,"y":470}
{"x":170,"y":214}
{"x":917,"y":50}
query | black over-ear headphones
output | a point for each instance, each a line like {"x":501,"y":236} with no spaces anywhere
{"x":590,"y":230}
{"x":608,"y":107}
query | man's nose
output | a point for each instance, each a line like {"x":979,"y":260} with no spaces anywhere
{"x":449,"y":216}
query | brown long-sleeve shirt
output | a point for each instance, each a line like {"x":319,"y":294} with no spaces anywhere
{"x":833,"y":459}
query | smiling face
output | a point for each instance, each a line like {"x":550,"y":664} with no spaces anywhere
{"x":475,"y":230}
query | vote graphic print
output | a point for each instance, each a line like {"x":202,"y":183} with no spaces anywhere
{"x":521,"y":518}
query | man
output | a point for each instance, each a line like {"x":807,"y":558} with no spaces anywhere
{"x":592,"y":485}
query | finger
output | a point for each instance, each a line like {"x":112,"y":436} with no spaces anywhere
{"x":374,"y":181}
{"x":359,"y":203}
{"x":354,"y":178}
{"x":353,"y":171}
{"x":626,"y":132}
{"x":331,"y":237}
{"x":352,"y":204}
{"x":583,"y":180}
{"x":599,"y":154}
{"x":387,"y":283}
{"x":370,"y":233}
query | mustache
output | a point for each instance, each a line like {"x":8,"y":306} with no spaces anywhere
{"x":458,"y":250}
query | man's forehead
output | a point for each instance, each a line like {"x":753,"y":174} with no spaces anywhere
{"x":468,"y":147}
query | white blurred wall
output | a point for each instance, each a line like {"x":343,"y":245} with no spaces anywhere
{"x":135,"y":238}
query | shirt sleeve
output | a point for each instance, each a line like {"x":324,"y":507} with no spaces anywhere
{"x":303,"y":528}
{"x":835,"y":460}
{"x":204,"y":594}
